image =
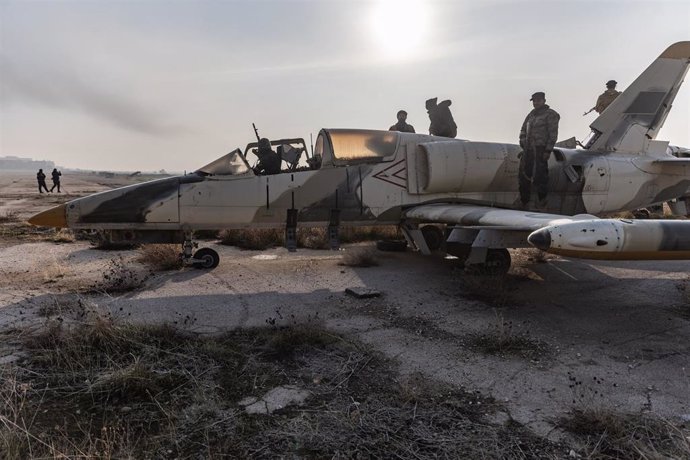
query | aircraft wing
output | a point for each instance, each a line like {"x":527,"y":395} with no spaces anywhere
{"x":486,"y":217}
{"x":582,"y":236}
{"x":675,"y":160}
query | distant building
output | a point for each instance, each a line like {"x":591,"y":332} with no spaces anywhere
{"x":11,"y":163}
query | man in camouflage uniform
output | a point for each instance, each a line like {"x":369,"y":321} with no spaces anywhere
{"x":442,"y":123}
{"x":537,"y":138}
{"x":402,"y":125}
{"x":607,"y":97}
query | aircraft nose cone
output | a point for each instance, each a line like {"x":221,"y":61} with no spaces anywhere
{"x":53,"y":217}
{"x":541,"y":239}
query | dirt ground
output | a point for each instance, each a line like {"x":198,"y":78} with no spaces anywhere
{"x":611,"y":335}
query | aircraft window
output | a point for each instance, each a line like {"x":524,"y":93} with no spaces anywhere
{"x":230,"y":164}
{"x":365,"y":146}
{"x":646,"y":103}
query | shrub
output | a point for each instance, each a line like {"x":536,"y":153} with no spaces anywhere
{"x":360,"y":257}
{"x":161,"y":256}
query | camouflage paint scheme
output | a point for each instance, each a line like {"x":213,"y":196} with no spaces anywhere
{"x":384,"y":177}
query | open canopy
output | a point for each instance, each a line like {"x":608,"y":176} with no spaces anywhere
{"x":231,"y":164}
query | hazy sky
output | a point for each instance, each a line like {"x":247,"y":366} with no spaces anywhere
{"x":148,"y":85}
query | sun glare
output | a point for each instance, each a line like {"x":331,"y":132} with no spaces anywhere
{"x":399,"y":27}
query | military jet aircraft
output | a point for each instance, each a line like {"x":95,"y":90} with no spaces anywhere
{"x":367,"y":177}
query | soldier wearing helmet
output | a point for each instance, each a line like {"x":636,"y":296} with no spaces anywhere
{"x":269,"y":161}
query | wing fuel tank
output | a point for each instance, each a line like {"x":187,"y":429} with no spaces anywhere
{"x":613,"y":239}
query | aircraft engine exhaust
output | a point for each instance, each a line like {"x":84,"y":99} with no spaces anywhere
{"x":616,"y":239}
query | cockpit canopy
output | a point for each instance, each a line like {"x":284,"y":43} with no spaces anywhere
{"x":232,"y":163}
{"x":334,"y":147}
{"x":355,"y":146}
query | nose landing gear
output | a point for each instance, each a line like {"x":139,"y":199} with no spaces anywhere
{"x":205,"y":258}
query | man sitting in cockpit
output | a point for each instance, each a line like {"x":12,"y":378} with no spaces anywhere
{"x":269,"y":161}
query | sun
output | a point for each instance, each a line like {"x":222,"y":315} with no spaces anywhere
{"x":399,"y":27}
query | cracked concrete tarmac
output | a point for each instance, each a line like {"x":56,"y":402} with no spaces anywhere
{"x":615,"y":333}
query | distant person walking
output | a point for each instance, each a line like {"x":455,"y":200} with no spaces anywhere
{"x":537,"y":138}
{"x":442,"y":123}
{"x":56,"y":179}
{"x":41,"y":178}
{"x":402,"y":125}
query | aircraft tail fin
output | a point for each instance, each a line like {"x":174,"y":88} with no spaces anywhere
{"x":636,"y":116}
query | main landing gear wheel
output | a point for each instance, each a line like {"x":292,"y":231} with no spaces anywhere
{"x":433,"y":236}
{"x":497,"y":263}
{"x":206,"y":258}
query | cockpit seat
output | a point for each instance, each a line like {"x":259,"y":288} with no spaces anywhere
{"x":290,"y":155}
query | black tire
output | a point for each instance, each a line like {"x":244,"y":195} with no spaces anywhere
{"x":497,"y":263}
{"x":433,"y":236}
{"x":206,"y":258}
{"x":391,"y":245}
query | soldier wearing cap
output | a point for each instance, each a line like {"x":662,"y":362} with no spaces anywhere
{"x":537,"y":138}
{"x":402,"y":125}
{"x":607,"y":97}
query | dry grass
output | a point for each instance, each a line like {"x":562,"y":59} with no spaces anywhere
{"x":607,"y":434}
{"x":254,"y":239}
{"x":360,"y":257}
{"x":11,"y":215}
{"x":535,"y":255}
{"x":504,"y":338}
{"x":63,"y":235}
{"x":106,"y":390}
{"x":118,"y":277}
{"x":495,"y":290}
{"x":55,"y":270}
{"x":312,"y":238}
{"x":161,"y":256}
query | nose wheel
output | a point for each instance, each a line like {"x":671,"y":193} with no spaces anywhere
{"x":205,"y":258}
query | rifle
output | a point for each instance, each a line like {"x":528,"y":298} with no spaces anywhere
{"x":589,"y":111}
{"x":256,"y":131}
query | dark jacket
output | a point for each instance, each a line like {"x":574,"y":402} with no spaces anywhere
{"x":442,"y":123}
{"x":56,"y":175}
{"x":269,"y":162}
{"x":540,"y":128}
{"x":402,"y":127}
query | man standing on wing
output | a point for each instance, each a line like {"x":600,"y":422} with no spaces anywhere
{"x":537,"y":138}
